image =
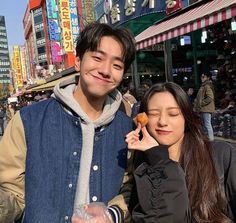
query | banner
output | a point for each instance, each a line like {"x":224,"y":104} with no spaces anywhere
{"x":51,"y":6}
{"x":66,"y":25}
{"x":74,"y":20}
{"x":55,"y":49}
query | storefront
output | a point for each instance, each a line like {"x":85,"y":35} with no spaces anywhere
{"x":189,"y":42}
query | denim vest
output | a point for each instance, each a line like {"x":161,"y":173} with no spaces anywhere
{"x":54,"y":142}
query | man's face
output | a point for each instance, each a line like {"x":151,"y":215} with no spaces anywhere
{"x":101,"y":71}
{"x":204,"y":78}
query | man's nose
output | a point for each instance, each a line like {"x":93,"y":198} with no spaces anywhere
{"x":105,"y":68}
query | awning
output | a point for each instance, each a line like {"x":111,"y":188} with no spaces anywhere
{"x":50,"y":85}
{"x":202,"y":16}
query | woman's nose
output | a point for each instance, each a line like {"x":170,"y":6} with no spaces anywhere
{"x":162,"y":120}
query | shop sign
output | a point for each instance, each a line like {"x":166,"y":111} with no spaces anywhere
{"x":74,"y":20}
{"x":172,"y":6}
{"x":125,"y":10}
{"x":66,"y":25}
{"x":89,"y":11}
{"x":23,"y":62}
{"x":53,"y":29}
{"x":55,"y":49}
{"x":160,"y":47}
{"x":51,"y":6}
{"x":17,"y":66}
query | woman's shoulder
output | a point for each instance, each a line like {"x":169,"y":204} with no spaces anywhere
{"x":221,"y":147}
{"x":224,"y":154}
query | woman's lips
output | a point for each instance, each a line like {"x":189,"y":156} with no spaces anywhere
{"x":163,"y":132}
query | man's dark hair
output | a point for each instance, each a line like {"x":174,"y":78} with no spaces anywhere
{"x":208,"y":74}
{"x":90,"y":38}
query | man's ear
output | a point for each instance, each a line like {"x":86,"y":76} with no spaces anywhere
{"x":77,"y":64}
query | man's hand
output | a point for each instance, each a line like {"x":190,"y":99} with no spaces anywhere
{"x":96,"y":213}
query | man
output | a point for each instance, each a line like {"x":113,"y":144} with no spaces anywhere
{"x":205,"y":104}
{"x":69,"y":150}
{"x":190,"y":92}
{"x":128,"y":100}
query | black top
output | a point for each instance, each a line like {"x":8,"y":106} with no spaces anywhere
{"x":161,"y":194}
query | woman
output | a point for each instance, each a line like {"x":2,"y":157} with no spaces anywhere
{"x":182,"y":176}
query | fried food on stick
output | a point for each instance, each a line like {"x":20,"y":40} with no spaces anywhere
{"x":141,"y":118}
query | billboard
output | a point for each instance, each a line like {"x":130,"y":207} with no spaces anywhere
{"x":54,"y":31}
{"x":74,"y":20}
{"x":55,"y":49}
{"x":51,"y":6}
{"x":66,"y":25}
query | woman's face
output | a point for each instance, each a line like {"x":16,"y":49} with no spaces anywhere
{"x":166,"y":122}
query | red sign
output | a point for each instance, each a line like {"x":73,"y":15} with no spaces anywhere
{"x":173,"y":6}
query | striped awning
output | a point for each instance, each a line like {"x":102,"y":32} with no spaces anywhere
{"x":202,"y":16}
{"x":50,"y":85}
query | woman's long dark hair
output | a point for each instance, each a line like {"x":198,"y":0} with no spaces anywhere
{"x":206,"y":196}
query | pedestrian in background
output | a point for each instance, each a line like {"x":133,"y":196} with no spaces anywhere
{"x":139,"y":94}
{"x":190,"y":92}
{"x":205,"y":103}
{"x":67,"y":151}
{"x":180,"y":175}
{"x":9,"y":112}
{"x":2,"y":119}
{"x":128,"y":100}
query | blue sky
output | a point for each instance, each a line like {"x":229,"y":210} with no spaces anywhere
{"x":14,"y":13}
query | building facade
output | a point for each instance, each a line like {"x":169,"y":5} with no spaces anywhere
{"x":5,"y":79}
{"x":51,"y":29}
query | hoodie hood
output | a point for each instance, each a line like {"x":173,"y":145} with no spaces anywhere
{"x":64,"y":92}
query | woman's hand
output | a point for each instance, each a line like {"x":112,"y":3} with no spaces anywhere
{"x":144,"y":144}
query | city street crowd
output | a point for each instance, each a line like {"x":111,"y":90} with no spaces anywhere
{"x":78,"y":157}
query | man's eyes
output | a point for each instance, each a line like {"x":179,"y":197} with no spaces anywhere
{"x":96,"y":58}
{"x":118,"y":66}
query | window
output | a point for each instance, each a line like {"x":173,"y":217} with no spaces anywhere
{"x":39,"y":35}
{"x":41,"y":50}
{"x":38,"y":19}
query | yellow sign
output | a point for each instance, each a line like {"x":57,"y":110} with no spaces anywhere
{"x":66,"y":25}
{"x":17,"y":66}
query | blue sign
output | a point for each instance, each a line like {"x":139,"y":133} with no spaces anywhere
{"x":74,"y":20}
{"x":53,"y":30}
{"x":51,"y":6}
{"x":125,"y":10}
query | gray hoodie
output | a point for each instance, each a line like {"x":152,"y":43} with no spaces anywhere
{"x":64,"y":93}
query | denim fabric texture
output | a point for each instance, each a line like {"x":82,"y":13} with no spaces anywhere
{"x":54,"y":142}
{"x":206,"y":121}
